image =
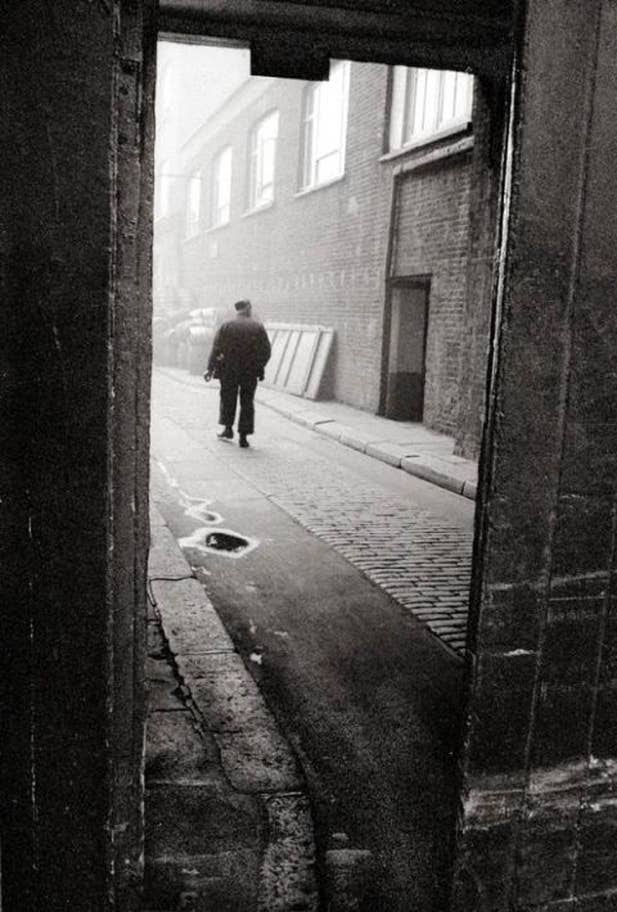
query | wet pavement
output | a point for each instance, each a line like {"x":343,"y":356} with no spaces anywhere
{"x":410,"y":538}
{"x":325,"y":606}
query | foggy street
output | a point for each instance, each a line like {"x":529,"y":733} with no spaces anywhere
{"x":365,"y":694}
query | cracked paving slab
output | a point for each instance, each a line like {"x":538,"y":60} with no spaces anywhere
{"x":228,"y":826}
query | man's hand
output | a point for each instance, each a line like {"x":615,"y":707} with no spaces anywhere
{"x":208,"y":376}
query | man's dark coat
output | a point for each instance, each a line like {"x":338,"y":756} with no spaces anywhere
{"x":240,"y":352}
{"x":241,"y":348}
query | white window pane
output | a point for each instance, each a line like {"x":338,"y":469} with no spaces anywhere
{"x":456,"y":98}
{"x":222,"y":188}
{"x":226,"y":170}
{"x":268,"y":151}
{"x":329,"y":118}
{"x":448,"y":101}
{"x":266,"y":194}
{"x":431,"y":100}
{"x":263,"y":155}
{"x":328,"y":131}
{"x":324,"y":127}
{"x":328,"y":167}
{"x":431,"y":105}
{"x":270,"y":126}
{"x":464,"y":96}
{"x":226,"y":180}
{"x":397,"y":107}
{"x":417,"y":102}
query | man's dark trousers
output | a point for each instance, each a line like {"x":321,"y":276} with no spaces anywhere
{"x":243,"y":385}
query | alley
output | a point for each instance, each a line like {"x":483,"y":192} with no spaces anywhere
{"x":345,"y":559}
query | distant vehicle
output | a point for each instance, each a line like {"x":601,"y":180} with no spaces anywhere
{"x":184,"y":341}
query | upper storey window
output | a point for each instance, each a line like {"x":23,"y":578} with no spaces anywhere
{"x":324,"y":128}
{"x":220,"y":203}
{"x":427,"y":102}
{"x":262,"y":157}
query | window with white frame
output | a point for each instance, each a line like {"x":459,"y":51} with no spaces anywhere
{"x":262,"y":159}
{"x":427,"y":102}
{"x":193,"y":204}
{"x":220,"y":203}
{"x":324,"y":127}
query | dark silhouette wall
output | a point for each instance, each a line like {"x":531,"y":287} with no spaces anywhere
{"x":539,"y":824}
{"x":74,"y":247}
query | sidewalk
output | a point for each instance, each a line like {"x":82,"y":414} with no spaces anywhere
{"x":405,"y":445}
{"x":228,"y":822}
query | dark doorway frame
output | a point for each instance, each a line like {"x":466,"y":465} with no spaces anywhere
{"x":91,"y":859}
{"x":393,"y":282}
{"x":466,"y":36}
{"x":74,"y":239}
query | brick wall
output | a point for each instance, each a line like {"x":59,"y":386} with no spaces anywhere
{"x":485,"y":170}
{"x":320,"y":257}
{"x":432,"y":237}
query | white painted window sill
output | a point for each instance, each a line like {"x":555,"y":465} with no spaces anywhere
{"x":218,"y":227}
{"x":263,"y":207}
{"x":307,"y":190}
{"x":426,"y":142}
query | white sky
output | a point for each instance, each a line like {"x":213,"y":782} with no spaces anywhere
{"x":193,"y":80}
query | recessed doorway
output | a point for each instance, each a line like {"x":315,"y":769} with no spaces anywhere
{"x":408,"y":301}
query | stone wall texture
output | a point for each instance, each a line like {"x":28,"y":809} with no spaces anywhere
{"x":538,"y":825}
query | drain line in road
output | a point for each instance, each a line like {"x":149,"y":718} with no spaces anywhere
{"x":194,"y":507}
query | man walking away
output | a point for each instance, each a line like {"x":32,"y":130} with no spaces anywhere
{"x":240,"y":352}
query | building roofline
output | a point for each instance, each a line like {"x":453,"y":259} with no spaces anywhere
{"x":211,"y":126}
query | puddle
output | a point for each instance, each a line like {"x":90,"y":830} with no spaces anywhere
{"x":225,"y":542}
{"x":206,"y":516}
{"x":205,"y":539}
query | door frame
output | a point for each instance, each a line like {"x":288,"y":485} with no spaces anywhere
{"x":392,"y":282}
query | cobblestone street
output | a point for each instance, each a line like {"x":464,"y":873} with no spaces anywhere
{"x":346,"y":562}
{"x":420,"y":556}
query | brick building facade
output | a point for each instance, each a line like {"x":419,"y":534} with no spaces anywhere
{"x":397,"y":216}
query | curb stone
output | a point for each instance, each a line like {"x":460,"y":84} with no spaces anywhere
{"x":375,"y":449}
{"x":256,"y":762}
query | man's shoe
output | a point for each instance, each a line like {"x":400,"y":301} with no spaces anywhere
{"x":243,"y":442}
{"x":226,"y":434}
